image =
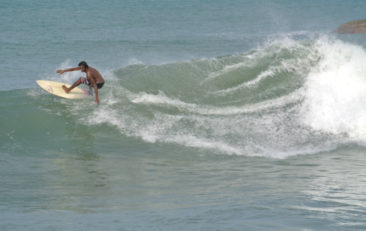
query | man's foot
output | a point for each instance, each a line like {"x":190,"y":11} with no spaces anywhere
{"x":65,"y":89}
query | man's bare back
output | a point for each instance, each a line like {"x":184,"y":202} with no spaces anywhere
{"x":92,"y":73}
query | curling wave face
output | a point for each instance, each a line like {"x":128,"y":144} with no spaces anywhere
{"x":288,"y":97}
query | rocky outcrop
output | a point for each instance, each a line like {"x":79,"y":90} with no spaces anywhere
{"x":352,"y":27}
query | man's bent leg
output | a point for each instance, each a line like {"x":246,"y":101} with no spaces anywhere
{"x":77,"y":83}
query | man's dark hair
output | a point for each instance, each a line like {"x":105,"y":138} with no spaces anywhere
{"x":84,"y":64}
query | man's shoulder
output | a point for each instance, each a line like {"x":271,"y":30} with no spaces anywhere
{"x":92,"y":70}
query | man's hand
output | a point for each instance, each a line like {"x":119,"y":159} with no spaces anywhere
{"x":60,"y":71}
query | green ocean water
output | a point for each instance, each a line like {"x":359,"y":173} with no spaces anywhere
{"x":214,"y":116}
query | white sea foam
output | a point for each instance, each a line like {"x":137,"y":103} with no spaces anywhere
{"x":226,"y":69}
{"x":335,"y":98}
{"x":263,"y":75}
{"x":163,"y":100}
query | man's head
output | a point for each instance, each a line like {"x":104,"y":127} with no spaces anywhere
{"x":84,"y":66}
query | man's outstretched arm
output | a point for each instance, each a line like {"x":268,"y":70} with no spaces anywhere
{"x":69,"y":69}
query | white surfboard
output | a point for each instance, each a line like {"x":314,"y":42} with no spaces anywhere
{"x":55,"y":88}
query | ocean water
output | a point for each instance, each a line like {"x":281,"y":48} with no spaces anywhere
{"x":215,"y":115}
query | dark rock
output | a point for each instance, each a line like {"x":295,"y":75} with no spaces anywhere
{"x":352,"y":27}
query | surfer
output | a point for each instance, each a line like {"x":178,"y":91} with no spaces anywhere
{"x":93,"y":78}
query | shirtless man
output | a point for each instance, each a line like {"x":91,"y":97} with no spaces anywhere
{"x":93,"y":78}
